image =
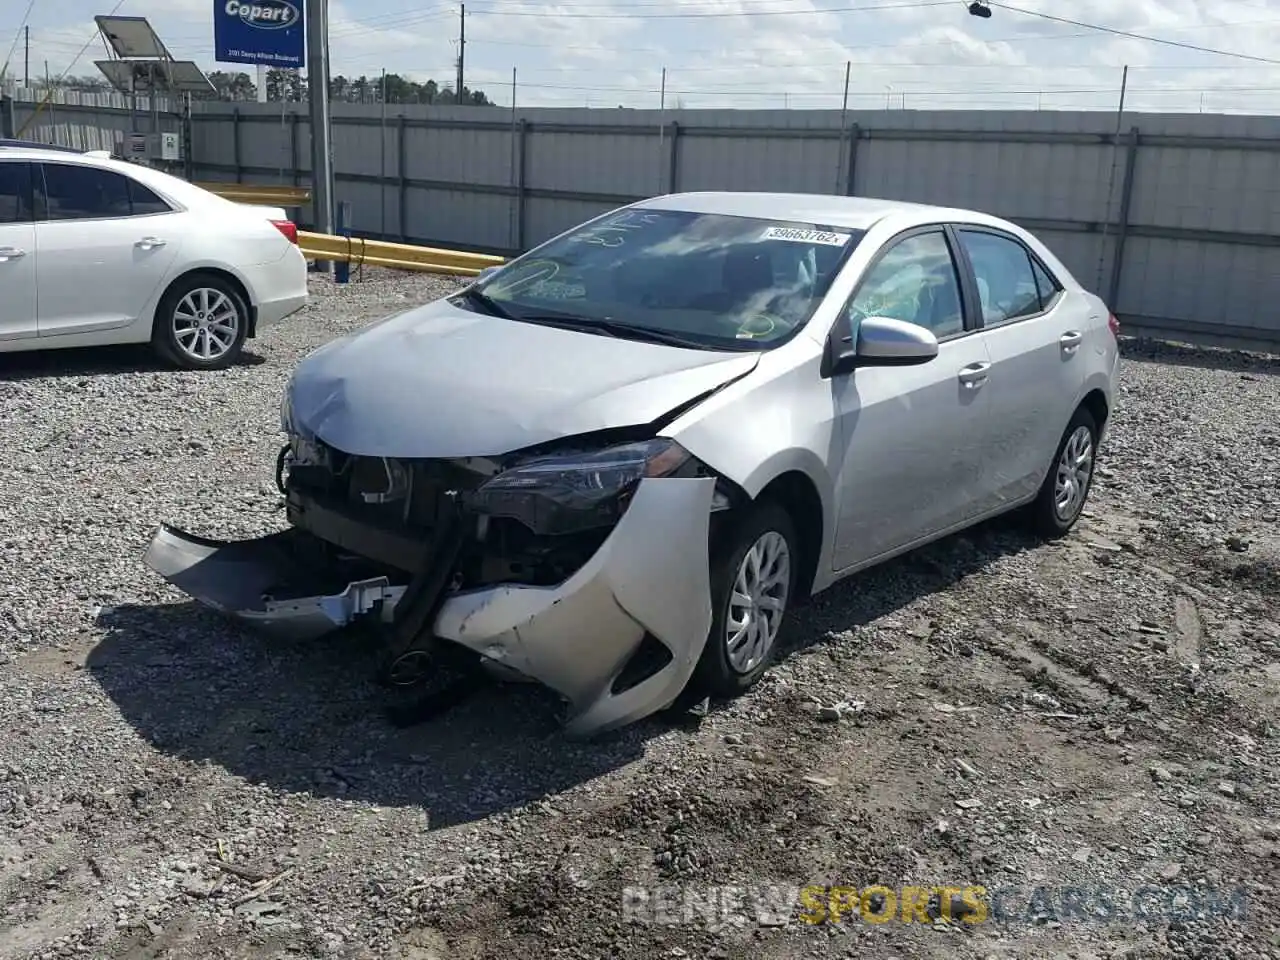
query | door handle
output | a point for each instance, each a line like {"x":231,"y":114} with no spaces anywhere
{"x":1070,"y":340}
{"x":974,"y":375}
{"x":11,"y":253}
{"x":146,"y":243}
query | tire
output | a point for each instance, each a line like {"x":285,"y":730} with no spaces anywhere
{"x":200,"y":314}
{"x":1065,"y":492}
{"x":719,"y":672}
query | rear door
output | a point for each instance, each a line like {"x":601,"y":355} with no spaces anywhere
{"x":17,"y":252}
{"x":1033,"y":334}
{"x":106,"y":243}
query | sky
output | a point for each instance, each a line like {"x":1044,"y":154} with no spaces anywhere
{"x":909,"y":54}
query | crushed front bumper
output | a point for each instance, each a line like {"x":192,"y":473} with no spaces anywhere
{"x":644,"y":595}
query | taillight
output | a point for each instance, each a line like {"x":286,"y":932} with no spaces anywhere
{"x":288,"y":228}
{"x":1114,"y":324}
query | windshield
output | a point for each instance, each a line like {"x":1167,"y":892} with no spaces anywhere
{"x":708,"y":280}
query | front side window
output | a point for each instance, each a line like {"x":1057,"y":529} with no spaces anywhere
{"x":15,"y":192}
{"x":710,"y":280}
{"x":915,"y":281}
{"x":78,"y":192}
{"x":1007,"y":283}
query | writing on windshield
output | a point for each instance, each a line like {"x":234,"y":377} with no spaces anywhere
{"x":723,"y":281}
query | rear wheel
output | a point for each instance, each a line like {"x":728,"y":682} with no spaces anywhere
{"x":1066,"y":487}
{"x":753,"y":580}
{"x":201,"y":323}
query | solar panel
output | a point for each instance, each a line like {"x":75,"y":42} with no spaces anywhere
{"x":131,"y":37}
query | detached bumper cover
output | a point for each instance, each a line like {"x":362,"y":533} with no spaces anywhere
{"x":240,"y":578}
{"x":651,"y":576}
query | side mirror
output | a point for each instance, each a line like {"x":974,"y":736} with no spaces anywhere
{"x":485,"y":274}
{"x":881,"y":342}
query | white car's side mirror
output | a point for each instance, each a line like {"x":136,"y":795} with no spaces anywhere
{"x":880,"y":342}
{"x":883,"y":341}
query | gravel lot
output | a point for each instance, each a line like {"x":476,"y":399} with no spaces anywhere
{"x":1101,"y":714}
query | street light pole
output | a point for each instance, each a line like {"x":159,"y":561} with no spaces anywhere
{"x":318,"y":92}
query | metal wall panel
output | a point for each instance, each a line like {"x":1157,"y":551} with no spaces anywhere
{"x":1194,"y":212}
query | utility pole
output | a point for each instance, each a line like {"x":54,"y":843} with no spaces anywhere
{"x":321,"y":135}
{"x":26,"y":56}
{"x":462,"y":51}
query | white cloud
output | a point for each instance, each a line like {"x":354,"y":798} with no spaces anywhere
{"x":767,"y":53}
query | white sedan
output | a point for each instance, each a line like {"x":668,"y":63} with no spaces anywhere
{"x":97,"y":251}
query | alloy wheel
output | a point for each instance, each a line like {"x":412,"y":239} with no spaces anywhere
{"x":206,"y":323}
{"x":1075,"y":468}
{"x":758,"y":601}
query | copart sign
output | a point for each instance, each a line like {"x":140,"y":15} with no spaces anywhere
{"x":267,"y":32}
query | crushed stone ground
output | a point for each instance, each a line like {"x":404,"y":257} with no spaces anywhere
{"x":1098,"y":715}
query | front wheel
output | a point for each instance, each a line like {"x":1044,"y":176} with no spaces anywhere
{"x":753,"y":579}
{"x":1066,"y":488}
{"x":201,"y":323}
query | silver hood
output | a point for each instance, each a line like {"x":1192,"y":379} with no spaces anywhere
{"x":440,"y":381}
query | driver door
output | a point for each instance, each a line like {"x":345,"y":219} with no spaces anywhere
{"x":913,"y":452}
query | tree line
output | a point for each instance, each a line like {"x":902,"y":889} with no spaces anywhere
{"x":291,"y":86}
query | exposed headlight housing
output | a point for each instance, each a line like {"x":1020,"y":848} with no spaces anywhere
{"x":568,"y":493}
{"x":286,"y":409}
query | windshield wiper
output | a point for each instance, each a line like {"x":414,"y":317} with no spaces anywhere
{"x":487,"y":303}
{"x":611,"y":328}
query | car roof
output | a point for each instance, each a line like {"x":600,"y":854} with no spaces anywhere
{"x":857,"y":213}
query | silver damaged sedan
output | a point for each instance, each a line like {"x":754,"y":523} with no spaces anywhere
{"x":613,"y":464}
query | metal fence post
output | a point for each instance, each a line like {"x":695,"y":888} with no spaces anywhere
{"x":855,"y":134}
{"x":522,"y":173}
{"x":7,"y":124}
{"x":342,"y":268}
{"x":402,"y":193}
{"x":673,"y":161}
{"x":235,"y":141}
{"x":1122,"y":228}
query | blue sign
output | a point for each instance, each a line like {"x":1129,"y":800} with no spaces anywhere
{"x":267,"y":32}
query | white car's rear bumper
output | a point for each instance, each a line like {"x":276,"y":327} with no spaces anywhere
{"x":278,"y":288}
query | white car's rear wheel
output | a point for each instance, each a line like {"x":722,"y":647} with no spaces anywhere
{"x":1066,"y":487}
{"x":201,"y":323}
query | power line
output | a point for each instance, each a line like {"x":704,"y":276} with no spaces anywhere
{"x":1134,"y":36}
{"x":913,"y":4}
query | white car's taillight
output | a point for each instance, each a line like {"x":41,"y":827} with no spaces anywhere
{"x":1114,"y":324}
{"x":288,"y":228}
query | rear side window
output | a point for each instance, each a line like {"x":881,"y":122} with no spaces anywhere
{"x":1007,"y":284}
{"x":77,"y":192}
{"x":15,"y":192}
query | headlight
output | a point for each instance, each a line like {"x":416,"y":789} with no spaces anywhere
{"x":286,"y":409}
{"x":578,"y":491}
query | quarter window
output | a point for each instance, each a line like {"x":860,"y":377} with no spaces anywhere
{"x":1048,"y":287}
{"x":1007,"y":282}
{"x":143,"y":201}
{"x":915,"y":280}
{"x":15,"y":192}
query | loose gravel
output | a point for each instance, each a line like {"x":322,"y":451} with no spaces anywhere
{"x":1099,"y":714}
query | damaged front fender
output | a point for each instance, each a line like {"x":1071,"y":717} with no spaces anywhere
{"x":649,"y":583}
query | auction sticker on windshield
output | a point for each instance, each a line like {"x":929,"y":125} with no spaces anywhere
{"x":806,"y":236}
